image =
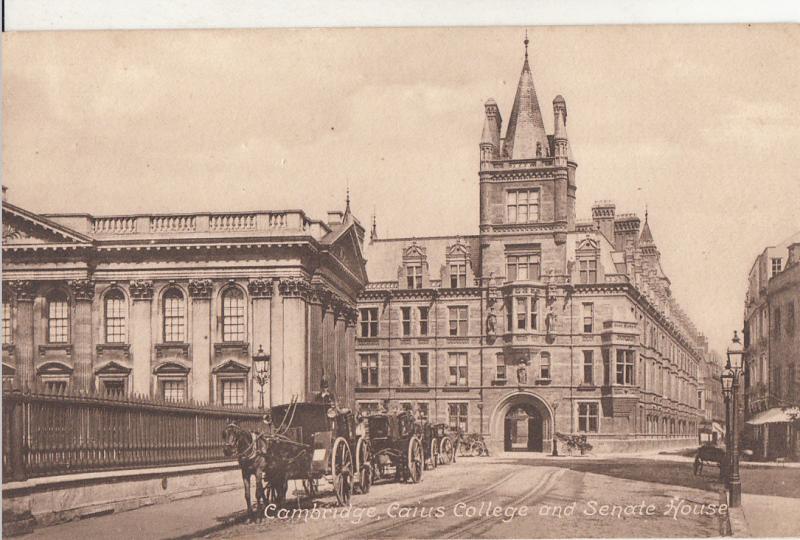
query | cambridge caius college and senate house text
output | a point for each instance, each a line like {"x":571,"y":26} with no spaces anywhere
{"x":535,"y":324}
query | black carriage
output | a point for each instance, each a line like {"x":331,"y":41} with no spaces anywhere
{"x":444,"y":438}
{"x":311,"y":442}
{"x":392,"y":442}
{"x":430,"y":443}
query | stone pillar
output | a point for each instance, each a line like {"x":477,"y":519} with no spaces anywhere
{"x":82,"y":342}
{"x":261,"y":294}
{"x":320,"y":300}
{"x":341,"y":355}
{"x":348,"y":397}
{"x":141,"y":334}
{"x":200,"y":292}
{"x":328,"y":339}
{"x":24,"y":292}
{"x":290,"y":377}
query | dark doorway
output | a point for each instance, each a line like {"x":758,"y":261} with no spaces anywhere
{"x":523,"y":430}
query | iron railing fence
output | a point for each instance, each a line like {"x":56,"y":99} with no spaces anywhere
{"x":54,"y":432}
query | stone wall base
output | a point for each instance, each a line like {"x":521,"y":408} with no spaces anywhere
{"x":612,"y":446}
{"x":41,"y":502}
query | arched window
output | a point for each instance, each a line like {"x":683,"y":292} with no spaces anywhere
{"x":116,"y":314}
{"x":233,"y":327}
{"x":58,"y":317}
{"x":7,"y":325}
{"x":174,"y":316}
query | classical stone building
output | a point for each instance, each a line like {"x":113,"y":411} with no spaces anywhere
{"x":536,"y":323}
{"x":177,"y":305}
{"x":772,"y":350}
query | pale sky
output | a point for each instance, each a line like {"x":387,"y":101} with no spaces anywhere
{"x":699,"y":123}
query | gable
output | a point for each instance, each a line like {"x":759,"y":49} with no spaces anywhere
{"x":347,"y":250}
{"x":24,"y":228}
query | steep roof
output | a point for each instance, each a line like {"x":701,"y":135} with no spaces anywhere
{"x":525,"y":125}
{"x":385,"y":256}
{"x":646,"y":237}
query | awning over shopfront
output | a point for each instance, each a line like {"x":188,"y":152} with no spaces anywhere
{"x":776,"y":415}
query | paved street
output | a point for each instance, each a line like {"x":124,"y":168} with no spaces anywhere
{"x":517,"y":496}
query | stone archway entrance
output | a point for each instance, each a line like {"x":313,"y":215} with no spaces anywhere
{"x":524,"y":421}
{"x":523,"y":429}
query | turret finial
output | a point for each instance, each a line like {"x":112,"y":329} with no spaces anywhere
{"x":526,"y":43}
{"x":347,"y":198}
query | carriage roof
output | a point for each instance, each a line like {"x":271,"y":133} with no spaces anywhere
{"x":311,"y":416}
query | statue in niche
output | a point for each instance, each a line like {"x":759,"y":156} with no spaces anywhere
{"x":522,"y":372}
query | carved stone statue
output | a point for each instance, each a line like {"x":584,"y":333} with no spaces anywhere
{"x":522,"y":373}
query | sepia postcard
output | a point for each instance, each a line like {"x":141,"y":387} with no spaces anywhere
{"x":475,"y":282}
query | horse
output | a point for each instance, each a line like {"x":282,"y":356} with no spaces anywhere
{"x":251,"y":451}
{"x":710,"y":454}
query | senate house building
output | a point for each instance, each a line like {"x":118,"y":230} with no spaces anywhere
{"x":176,"y":306}
{"x":534,"y":324}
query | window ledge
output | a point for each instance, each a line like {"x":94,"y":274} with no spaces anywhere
{"x":455,"y":389}
{"x":413,"y":388}
{"x":172,"y":349}
{"x":375,"y":388}
{"x":499,"y":382}
{"x":47,"y":347}
{"x":587,"y":387}
{"x":544,"y":381}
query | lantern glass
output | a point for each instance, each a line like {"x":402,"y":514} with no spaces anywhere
{"x":735,"y":353}
{"x":261,"y":362}
{"x":727,"y":380}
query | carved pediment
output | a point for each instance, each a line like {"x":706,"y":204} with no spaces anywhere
{"x":54,"y":368}
{"x":112,"y":368}
{"x":458,"y":250}
{"x":171,"y":368}
{"x":21,"y":227}
{"x":587,"y":244}
{"x":414,"y":251}
{"x":346,"y":248}
{"x":231,"y":366}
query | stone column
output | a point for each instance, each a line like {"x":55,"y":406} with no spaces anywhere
{"x":200,"y":292}
{"x":289,"y":379}
{"x":261,"y":294}
{"x":82,"y":342}
{"x":318,"y":303}
{"x":348,"y":397}
{"x":141,"y":334}
{"x":24,"y":292}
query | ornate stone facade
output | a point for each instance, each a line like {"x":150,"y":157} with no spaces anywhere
{"x":181,"y":323}
{"x":539,"y":323}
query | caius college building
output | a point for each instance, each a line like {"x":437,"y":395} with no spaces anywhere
{"x":176,"y":306}
{"x":537,"y":323}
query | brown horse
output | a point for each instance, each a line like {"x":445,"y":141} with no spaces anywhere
{"x":251,"y":451}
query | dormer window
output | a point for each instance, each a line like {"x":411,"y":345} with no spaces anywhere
{"x":522,"y":206}
{"x":414,"y":276}
{"x":458,"y":275}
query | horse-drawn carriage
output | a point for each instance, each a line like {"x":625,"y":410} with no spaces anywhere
{"x":306,"y":441}
{"x":471,"y":444}
{"x":392,"y":441}
{"x":442,"y":443}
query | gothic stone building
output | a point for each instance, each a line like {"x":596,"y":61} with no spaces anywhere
{"x":538,"y":323}
{"x":175,"y":306}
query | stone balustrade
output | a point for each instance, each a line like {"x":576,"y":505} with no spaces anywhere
{"x":289,"y":221}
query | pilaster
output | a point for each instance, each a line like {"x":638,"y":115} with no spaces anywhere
{"x":200,"y":293}
{"x":141,"y":334}
{"x":261,"y":292}
{"x":82,"y":340}
{"x":291,"y":377}
{"x":24,"y":294}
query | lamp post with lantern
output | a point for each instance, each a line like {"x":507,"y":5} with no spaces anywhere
{"x":730,"y":387}
{"x":261,"y":370}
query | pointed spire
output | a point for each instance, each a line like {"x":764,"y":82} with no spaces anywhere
{"x":347,"y":199}
{"x":646,"y":237}
{"x":526,"y":44}
{"x":373,"y":233}
{"x":525,"y":137}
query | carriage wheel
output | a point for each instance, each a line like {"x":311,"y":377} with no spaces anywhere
{"x":446,"y":451}
{"x":342,"y":471}
{"x":416,"y":459}
{"x":435,"y":453}
{"x":476,"y":449}
{"x":311,"y":486}
{"x":363,"y":465}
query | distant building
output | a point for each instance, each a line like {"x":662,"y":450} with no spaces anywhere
{"x":710,"y":395}
{"x":176,"y":305}
{"x":537,"y":323}
{"x":772,"y":350}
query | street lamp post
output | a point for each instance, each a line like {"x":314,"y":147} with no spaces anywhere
{"x":726,"y":378}
{"x":735,"y":356}
{"x":555,"y":437}
{"x":261,"y":369}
